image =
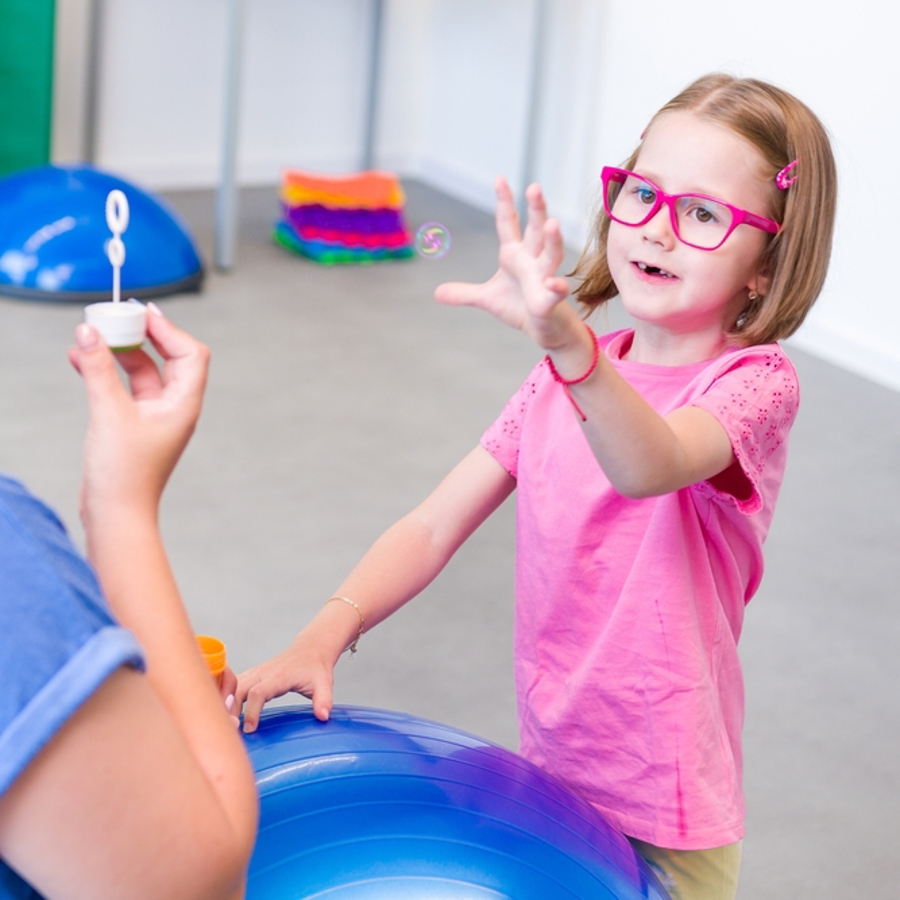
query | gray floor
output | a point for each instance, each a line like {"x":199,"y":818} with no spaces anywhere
{"x":340,"y":396}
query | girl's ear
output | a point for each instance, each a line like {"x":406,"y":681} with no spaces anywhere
{"x":760,"y":284}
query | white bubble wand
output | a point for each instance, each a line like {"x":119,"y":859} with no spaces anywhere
{"x":121,"y":325}
{"x":117,"y":220}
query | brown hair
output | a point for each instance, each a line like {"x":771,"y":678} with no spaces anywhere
{"x":796,"y":259}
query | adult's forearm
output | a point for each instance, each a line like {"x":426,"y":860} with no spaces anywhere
{"x":127,"y":552}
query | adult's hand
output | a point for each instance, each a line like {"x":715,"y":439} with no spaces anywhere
{"x":135,"y":437}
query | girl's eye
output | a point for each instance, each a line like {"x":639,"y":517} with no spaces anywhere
{"x":703,"y":214}
{"x":646,"y":194}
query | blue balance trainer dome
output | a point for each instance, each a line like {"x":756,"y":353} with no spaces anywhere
{"x":53,"y":237}
{"x":375,"y":805}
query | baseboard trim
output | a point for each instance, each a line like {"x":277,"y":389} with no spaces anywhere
{"x":850,"y":350}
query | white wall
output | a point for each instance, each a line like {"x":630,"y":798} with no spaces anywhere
{"x":456,"y":92}
{"x":161,"y":96}
{"x":838,"y":58}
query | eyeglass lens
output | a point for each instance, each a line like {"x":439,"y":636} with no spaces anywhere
{"x":699,"y":220}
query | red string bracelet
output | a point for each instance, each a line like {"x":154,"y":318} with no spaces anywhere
{"x":565,"y":382}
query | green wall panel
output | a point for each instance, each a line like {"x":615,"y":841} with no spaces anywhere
{"x":26,"y":82}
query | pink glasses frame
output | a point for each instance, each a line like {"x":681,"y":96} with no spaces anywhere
{"x":738,"y":216}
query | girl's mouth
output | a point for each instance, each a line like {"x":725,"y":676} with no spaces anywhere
{"x":653,"y":270}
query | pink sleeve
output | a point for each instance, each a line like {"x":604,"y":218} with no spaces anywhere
{"x":755,"y":399}
{"x":501,"y":440}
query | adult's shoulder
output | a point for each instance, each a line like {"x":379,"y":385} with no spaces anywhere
{"x":21,"y":509}
{"x":58,"y":639}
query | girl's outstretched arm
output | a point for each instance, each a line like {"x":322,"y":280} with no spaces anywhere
{"x":146,"y":791}
{"x":400,"y":564}
{"x":642,"y":453}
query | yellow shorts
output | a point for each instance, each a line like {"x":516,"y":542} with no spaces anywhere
{"x":694,"y":874}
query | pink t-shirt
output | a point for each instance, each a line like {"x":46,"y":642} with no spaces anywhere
{"x":628,"y":612}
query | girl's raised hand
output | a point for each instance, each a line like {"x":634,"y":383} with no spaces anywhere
{"x":525,"y":292}
{"x":134,"y":438}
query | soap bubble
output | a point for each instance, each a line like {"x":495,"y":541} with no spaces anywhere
{"x":432,"y":240}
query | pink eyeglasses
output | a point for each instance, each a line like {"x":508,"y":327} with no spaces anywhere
{"x":698,"y":221}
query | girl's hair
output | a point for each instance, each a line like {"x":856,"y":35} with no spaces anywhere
{"x":796,"y":259}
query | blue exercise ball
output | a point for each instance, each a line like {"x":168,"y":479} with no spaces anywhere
{"x":377,"y":805}
{"x":53,"y":237}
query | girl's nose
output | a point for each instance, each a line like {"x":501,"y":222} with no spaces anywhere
{"x":659,"y":230}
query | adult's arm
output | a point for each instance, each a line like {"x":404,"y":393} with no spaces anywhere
{"x":117,"y":805}
{"x":147,"y":790}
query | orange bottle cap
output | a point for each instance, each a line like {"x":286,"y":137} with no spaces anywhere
{"x":213,"y":651}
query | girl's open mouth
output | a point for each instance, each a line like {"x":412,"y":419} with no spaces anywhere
{"x":654,"y":270}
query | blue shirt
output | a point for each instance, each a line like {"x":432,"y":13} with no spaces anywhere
{"x":58,"y":639}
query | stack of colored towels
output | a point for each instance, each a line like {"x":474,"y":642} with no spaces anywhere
{"x":343,"y":218}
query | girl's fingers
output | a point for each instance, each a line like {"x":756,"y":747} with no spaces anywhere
{"x":506,"y":217}
{"x":537,"y":216}
{"x":253,"y":704}
{"x":245,"y":681}
{"x":322,"y":700}
{"x":256,"y":687}
{"x":553,"y":249}
{"x":458,"y":293}
{"x":559,"y":287}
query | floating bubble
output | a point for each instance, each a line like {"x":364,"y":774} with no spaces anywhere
{"x":432,"y":240}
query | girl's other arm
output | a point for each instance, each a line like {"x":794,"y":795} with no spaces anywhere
{"x":400,"y":564}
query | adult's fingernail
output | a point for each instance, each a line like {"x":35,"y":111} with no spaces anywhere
{"x":155,"y":309}
{"x":85,"y":337}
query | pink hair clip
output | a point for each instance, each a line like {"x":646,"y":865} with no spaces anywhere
{"x":782,"y":179}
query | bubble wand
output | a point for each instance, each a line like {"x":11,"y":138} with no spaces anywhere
{"x":121,"y":325}
{"x":117,"y":220}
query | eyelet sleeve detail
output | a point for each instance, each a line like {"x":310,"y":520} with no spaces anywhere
{"x":501,"y":440}
{"x":756,"y":401}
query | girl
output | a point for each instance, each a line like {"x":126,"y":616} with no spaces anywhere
{"x":647,"y":463}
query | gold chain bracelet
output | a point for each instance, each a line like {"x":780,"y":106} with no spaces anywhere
{"x":362,"y":621}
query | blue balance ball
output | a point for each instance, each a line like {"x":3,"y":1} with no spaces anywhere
{"x":53,"y":237}
{"x":376,"y":805}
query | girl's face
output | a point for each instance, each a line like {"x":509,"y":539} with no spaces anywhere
{"x":674,"y":290}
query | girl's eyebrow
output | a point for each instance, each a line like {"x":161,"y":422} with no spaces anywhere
{"x":656,"y":180}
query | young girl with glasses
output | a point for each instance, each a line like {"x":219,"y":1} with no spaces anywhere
{"x":647,"y":462}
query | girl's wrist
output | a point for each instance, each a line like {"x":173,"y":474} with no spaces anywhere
{"x":336,"y":627}
{"x":567,"y":381}
{"x":574,"y":360}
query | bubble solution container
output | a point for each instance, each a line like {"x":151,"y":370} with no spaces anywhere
{"x":213,"y":651}
{"x":122,"y":326}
